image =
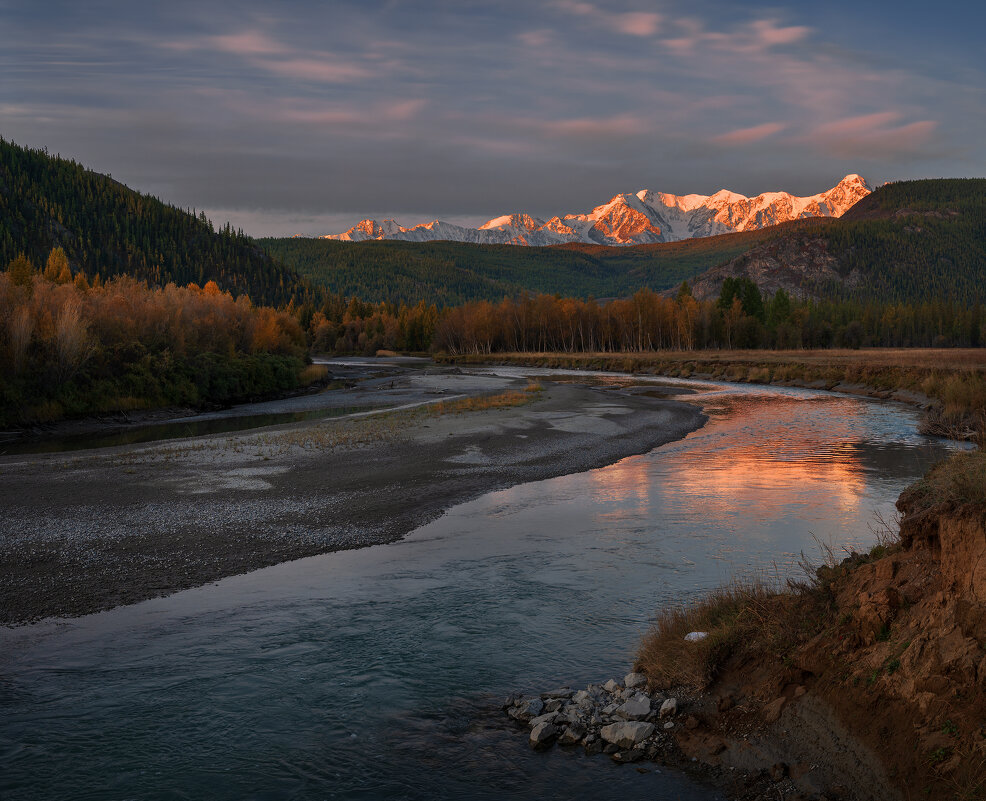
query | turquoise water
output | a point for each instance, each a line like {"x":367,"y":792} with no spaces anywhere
{"x":375,"y":673}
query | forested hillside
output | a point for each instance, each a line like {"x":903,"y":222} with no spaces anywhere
{"x":107,"y":229}
{"x":450,"y":273}
{"x":908,"y":242}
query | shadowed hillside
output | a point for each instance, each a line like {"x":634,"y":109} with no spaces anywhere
{"x":108,"y":229}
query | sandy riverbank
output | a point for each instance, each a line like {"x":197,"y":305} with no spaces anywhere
{"x":91,"y":530}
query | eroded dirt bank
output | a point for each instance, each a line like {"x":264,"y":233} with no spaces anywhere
{"x":91,"y":530}
{"x":867,"y":683}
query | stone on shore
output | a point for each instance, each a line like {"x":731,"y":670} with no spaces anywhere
{"x":637,"y":708}
{"x":543,"y":735}
{"x":526,"y":709}
{"x":572,"y":735}
{"x":626,"y":735}
{"x":548,"y":717}
{"x":669,"y":708}
{"x":612,"y":686}
{"x":561,"y":692}
{"x":634,"y":681}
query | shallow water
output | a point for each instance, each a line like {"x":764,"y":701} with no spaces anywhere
{"x":375,"y":673}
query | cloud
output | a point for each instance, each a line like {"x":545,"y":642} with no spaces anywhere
{"x":637,"y":23}
{"x":752,"y":38}
{"x":248,"y":43}
{"x":317,"y":70}
{"x":363,"y":118}
{"x":266,"y":53}
{"x":617,"y":125}
{"x":746,"y":136}
{"x":873,"y":135}
{"x":631,"y":23}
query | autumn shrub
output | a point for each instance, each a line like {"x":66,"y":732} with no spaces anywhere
{"x":70,"y":349}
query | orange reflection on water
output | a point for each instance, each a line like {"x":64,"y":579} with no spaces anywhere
{"x":751,"y":463}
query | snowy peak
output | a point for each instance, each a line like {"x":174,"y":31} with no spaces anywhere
{"x":637,"y":218}
{"x":521,"y":221}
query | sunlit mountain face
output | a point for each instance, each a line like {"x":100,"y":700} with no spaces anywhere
{"x":631,"y":219}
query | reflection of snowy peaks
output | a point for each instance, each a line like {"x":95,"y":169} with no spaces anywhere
{"x":632,"y":219}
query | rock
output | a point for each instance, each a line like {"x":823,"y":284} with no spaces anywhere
{"x":696,"y":636}
{"x":772,"y":711}
{"x":669,"y":725}
{"x":509,"y":701}
{"x":547,"y":718}
{"x":628,"y":734}
{"x":669,"y":708}
{"x":594,"y":747}
{"x":580,"y":696}
{"x":633,"y":755}
{"x":611,"y":686}
{"x":637,"y":708}
{"x":552,"y":704}
{"x":543,"y":735}
{"x":526,"y":708}
{"x":609,"y":709}
{"x":634,"y":681}
{"x":610,"y":748}
{"x":561,"y":692}
{"x":778,"y":771}
{"x":572,"y":735}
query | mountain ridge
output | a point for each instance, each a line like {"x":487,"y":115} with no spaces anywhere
{"x":644,"y":217}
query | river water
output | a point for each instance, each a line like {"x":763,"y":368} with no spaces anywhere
{"x":375,"y":673}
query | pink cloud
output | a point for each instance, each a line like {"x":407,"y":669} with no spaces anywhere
{"x":248,"y":43}
{"x":746,"y":136}
{"x":623,"y":125}
{"x":322,"y":70}
{"x":535,"y":39}
{"x":631,"y":23}
{"x":873,"y":135}
{"x":753,"y":38}
{"x":637,"y":23}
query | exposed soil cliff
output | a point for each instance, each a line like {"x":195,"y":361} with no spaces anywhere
{"x":866,"y":682}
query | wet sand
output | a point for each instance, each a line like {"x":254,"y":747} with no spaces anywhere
{"x":87,"y":531}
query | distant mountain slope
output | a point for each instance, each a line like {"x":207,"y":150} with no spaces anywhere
{"x":646,"y":217}
{"x":449,"y":273}
{"x":106,"y":228}
{"x":908,"y":241}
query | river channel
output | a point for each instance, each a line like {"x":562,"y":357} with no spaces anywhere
{"x":376,"y":673}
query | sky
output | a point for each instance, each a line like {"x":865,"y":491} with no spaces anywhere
{"x":305,"y":117}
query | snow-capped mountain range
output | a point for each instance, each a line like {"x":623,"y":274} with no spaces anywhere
{"x":631,"y":219}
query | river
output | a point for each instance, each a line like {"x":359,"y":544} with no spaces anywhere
{"x":375,"y":673}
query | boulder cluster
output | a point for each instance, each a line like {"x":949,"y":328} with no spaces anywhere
{"x":619,"y":719}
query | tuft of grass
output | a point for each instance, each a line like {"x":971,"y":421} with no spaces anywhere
{"x":959,"y":479}
{"x":730,"y":615}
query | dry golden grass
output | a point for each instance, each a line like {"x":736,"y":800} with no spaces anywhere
{"x":481,"y":403}
{"x":959,"y":479}
{"x":731,"y":616}
{"x":312,"y":374}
